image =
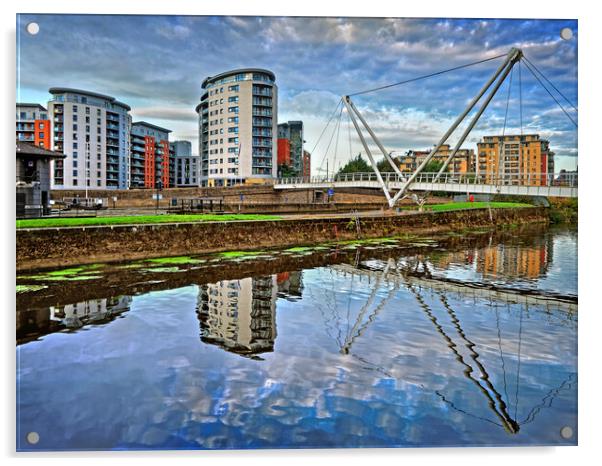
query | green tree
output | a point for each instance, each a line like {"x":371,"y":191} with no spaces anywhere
{"x":286,"y":171}
{"x":356,"y":165}
{"x":384,"y":166}
{"x":432,"y":167}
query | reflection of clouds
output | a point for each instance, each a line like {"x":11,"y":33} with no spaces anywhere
{"x":147,"y":380}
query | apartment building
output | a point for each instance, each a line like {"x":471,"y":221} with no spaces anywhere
{"x":463,"y":161}
{"x":33,"y":125}
{"x":292,"y":131}
{"x":523,"y":159}
{"x":151,"y":162}
{"x":187,"y":166}
{"x":306,"y":173}
{"x":237,"y":127}
{"x":93,"y":131}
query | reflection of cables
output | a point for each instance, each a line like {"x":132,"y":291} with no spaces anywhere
{"x":520,"y":340}
{"x":546,"y":401}
{"x":453,"y":406}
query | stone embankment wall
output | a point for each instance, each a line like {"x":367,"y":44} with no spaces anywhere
{"x":252,"y":195}
{"x":55,"y":247}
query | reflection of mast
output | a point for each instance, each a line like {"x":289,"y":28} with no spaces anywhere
{"x":357,"y":330}
{"x":499,"y":408}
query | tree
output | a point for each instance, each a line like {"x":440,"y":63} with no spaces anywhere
{"x":384,"y":166}
{"x":356,"y":165}
{"x":432,"y":167}
{"x":286,"y":171}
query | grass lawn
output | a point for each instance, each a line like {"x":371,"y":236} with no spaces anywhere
{"x":473,"y":205}
{"x":138,"y":219}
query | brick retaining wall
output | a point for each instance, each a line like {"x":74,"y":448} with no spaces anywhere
{"x":55,"y":247}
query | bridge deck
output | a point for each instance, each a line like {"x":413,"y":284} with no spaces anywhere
{"x":559,"y":185}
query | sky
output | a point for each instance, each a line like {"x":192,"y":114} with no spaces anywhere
{"x":156,"y":64}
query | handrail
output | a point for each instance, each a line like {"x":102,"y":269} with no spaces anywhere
{"x":562,"y":179}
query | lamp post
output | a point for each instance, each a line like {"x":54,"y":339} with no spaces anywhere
{"x":159,"y":186}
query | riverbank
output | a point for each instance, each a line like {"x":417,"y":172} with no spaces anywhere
{"x":56,"y":247}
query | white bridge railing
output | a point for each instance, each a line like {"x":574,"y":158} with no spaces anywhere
{"x":508,"y":179}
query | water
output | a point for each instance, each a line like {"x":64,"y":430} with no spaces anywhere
{"x":379,"y":347}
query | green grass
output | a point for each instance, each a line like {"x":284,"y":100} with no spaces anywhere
{"x":473,"y":205}
{"x":139,"y":219}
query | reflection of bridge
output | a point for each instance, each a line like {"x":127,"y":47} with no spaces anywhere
{"x":474,"y":290}
{"x":473,"y":367}
{"x":548,"y":185}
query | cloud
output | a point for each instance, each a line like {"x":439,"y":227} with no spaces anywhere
{"x":157,"y":63}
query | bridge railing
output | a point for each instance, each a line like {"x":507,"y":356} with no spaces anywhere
{"x":509,"y":179}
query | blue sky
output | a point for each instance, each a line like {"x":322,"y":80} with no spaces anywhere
{"x":156,"y":65}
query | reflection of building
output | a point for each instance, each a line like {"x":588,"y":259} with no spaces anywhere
{"x":290,"y":285}
{"x":461,"y":163}
{"x":515,"y":261}
{"x":239,"y":315}
{"x":33,"y":323}
{"x":522,"y":156}
{"x":237,"y":127}
{"x":306,"y":164}
{"x":33,"y":179}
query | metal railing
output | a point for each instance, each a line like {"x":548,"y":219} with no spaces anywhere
{"x":515,"y":179}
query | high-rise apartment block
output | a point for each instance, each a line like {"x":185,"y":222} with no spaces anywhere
{"x":462,"y":162}
{"x":526,"y":159}
{"x":151,"y":163}
{"x":33,"y":125}
{"x":93,"y":131}
{"x":237,"y":127}
{"x":292,"y":131}
{"x":187,"y":166}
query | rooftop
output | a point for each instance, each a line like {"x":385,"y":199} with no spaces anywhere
{"x":26,"y":148}
{"x":209,"y":79}
{"x":65,"y":90}
{"x":150,"y":125}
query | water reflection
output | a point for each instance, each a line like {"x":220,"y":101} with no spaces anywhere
{"x":34,"y":323}
{"x":239,"y":315}
{"x":404,"y":350}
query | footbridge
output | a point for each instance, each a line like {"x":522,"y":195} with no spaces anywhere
{"x":536,"y":185}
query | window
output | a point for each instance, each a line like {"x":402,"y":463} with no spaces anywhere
{"x":233,"y":140}
{"x":233,"y":98}
{"x":74,"y":154}
{"x":87,"y":110}
{"x":233,"y":120}
{"x":75,"y":145}
{"x":74,"y":163}
{"x":75,"y":136}
{"x":74,"y":117}
{"x":41,"y":125}
{"x":75,"y":109}
{"x":74,"y":127}
{"x":233,"y":88}
{"x":233,"y":109}
{"x":75,"y":173}
{"x":41,"y":135}
{"x":233,"y":129}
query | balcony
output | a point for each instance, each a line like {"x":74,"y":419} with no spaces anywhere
{"x":262,"y":142}
{"x":263,"y":91}
{"x":112,"y":117}
{"x":265,"y":102}
{"x":259,"y":112}
{"x":58,"y":110}
{"x":262,"y":122}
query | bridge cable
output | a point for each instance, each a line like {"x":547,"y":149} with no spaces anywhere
{"x":331,"y":138}
{"x":427,"y":75}
{"x":336,"y":144}
{"x":550,"y":83}
{"x":325,"y":127}
{"x":551,"y":95}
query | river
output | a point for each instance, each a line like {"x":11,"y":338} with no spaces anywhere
{"x":442,"y":342}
